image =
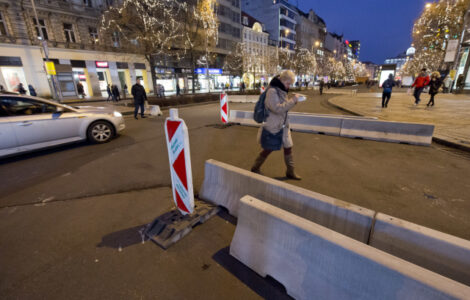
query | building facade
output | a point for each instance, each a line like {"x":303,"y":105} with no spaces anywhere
{"x":462,"y":64}
{"x":256,"y":58}
{"x":311,"y":32}
{"x":279,"y":18}
{"x":354,"y":49}
{"x":335,"y":45}
{"x":68,"y":33}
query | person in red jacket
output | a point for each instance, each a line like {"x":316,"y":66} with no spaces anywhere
{"x":420,"y":83}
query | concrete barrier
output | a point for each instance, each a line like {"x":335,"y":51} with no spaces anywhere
{"x":439,"y":252}
{"x":410,"y":133}
{"x":349,"y":126}
{"x":243,"y":98}
{"x":313,"y":262}
{"x":225,"y":185}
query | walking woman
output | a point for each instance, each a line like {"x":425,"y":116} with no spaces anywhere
{"x":275,"y":132}
{"x":434,"y":85}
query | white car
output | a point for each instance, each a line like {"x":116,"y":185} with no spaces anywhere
{"x":31,"y":123}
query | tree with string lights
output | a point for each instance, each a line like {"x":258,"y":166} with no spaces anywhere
{"x":439,"y":22}
{"x":149,"y":27}
{"x":303,"y":62}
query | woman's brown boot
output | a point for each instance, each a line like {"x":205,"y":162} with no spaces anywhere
{"x":257,"y":165}
{"x":290,"y":173}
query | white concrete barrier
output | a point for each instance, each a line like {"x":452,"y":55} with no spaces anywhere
{"x":349,"y":126}
{"x":243,"y":98}
{"x":314,"y":262}
{"x":225,"y":185}
{"x":397,"y":132}
{"x":439,"y":252}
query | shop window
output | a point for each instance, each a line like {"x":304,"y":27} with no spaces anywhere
{"x":93,"y":35}
{"x":41,"y":28}
{"x":116,"y":39}
{"x":3,"y":25}
{"x":69,"y":34}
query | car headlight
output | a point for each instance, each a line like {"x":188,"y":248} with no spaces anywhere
{"x":117,"y":114}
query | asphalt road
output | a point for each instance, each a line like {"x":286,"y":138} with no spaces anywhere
{"x":69,"y":217}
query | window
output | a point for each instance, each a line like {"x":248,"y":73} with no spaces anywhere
{"x":69,"y":34}
{"x":24,"y":107}
{"x":41,"y":28}
{"x":245,"y":20}
{"x":93,"y":35}
{"x":116,"y":40}
{"x":87,"y":3}
{"x":3,"y":25}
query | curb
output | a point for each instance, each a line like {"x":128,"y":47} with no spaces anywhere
{"x":435,"y":139}
{"x":174,"y":106}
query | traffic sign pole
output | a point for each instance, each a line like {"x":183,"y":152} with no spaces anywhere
{"x":177,"y":140}
{"x":224,"y":108}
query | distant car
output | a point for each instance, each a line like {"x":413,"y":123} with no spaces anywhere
{"x":30,"y":123}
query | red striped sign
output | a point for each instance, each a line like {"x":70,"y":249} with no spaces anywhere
{"x":180,"y":162}
{"x":223,"y":108}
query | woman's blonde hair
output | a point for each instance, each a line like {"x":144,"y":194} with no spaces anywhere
{"x":436,"y":74}
{"x":287,"y":75}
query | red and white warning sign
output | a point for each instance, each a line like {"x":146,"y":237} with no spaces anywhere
{"x":223,"y":108}
{"x":177,"y":141}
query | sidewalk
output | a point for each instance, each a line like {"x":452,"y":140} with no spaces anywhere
{"x":119,"y":106}
{"x":450,"y":115}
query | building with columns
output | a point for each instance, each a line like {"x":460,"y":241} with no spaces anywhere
{"x":71,"y":40}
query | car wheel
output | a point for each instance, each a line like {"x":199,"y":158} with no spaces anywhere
{"x":100,"y":132}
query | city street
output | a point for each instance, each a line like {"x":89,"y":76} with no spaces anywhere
{"x":70,"y":216}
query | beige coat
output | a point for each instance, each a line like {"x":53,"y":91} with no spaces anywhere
{"x":278,"y":105}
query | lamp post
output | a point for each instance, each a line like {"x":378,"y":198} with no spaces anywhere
{"x":45,"y":51}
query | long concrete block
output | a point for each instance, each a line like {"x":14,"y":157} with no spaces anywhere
{"x":225,"y":185}
{"x":411,"y":133}
{"x":439,"y":252}
{"x":315,"y":124}
{"x":242,"y":117}
{"x":314,"y":262}
{"x":243,"y":98}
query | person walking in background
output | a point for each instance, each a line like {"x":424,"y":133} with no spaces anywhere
{"x":116,"y":95}
{"x":322,"y":85}
{"x":21,"y":89}
{"x":2,"y":88}
{"x":420,"y":83}
{"x":447,"y":84}
{"x":387,"y":90}
{"x":138,"y":92}
{"x":434,"y":85}
{"x":275,"y":132}
{"x":80,"y":90}
{"x":460,"y":83}
{"x":124,"y":91}
{"x":32,"y":91}
{"x":178,"y":89}
{"x":110,"y":94}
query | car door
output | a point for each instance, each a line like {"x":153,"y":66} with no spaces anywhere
{"x":27,"y":121}
{"x":8,"y":142}
{"x":64,"y":124}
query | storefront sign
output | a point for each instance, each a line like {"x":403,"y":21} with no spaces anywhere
{"x":451,"y":50}
{"x":223,"y":108}
{"x":211,"y":71}
{"x":50,"y":68}
{"x":101,"y":64}
{"x":177,"y":140}
{"x":82,"y":77}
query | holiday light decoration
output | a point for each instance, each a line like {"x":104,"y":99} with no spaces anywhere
{"x":439,"y":22}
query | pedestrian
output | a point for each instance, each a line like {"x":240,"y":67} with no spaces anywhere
{"x":125,"y":91}
{"x":21,"y":89}
{"x":387,"y":90}
{"x":275,"y":131}
{"x":162,"y":91}
{"x":328,"y":85}
{"x":178,"y":89}
{"x":2,"y":88}
{"x":80,"y":90}
{"x":140,"y":97}
{"x":460,"y":83}
{"x":322,"y":84}
{"x":447,"y":84}
{"x":110,"y":93}
{"x":32,"y":91}
{"x":116,"y":94}
{"x":419,"y":84}
{"x":434,"y":86}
